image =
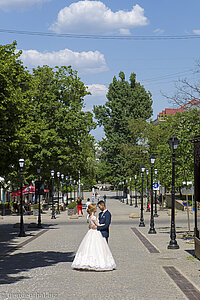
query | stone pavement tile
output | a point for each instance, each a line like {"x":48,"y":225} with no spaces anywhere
{"x":44,"y":265}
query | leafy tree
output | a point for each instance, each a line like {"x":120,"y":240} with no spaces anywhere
{"x":42,"y":119}
{"x":125,"y":101}
{"x":60,"y":130}
{"x":15,"y":83}
{"x":184,"y":125}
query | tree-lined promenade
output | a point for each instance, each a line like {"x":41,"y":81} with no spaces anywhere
{"x":43,"y":120}
{"x":41,"y":266}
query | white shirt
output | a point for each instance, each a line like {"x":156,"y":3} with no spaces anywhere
{"x":103,"y":212}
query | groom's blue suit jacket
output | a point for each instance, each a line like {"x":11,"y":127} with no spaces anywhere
{"x":106,"y":220}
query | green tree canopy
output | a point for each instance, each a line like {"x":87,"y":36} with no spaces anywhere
{"x":126,"y":100}
{"x":15,"y":84}
{"x":43,"y":120}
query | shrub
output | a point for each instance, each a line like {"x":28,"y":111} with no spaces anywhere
{"x":72,"y":205}
{"x":36,"y":206}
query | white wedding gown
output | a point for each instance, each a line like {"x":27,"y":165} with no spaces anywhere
{"x":94,"y":252}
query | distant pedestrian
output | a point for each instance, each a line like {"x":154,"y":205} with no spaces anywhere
{"x":98,"y":197}
{"x":86,"y":206}
{"x":93,"y":198}
{"x":104,"y":198}
{"x":79,"y":205}
{"x":88,"y":202}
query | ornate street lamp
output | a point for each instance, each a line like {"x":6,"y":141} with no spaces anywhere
{"x":152,"y":229}
{"x":39,"y":208}
{"x":58,"y":208}
{"x":123,"y":184}
{"x":120,"y":191}
{"x":82,"y":194}
{"x":147,"y":173}
{"x":156,"y":214}
{"x":66,"y":189}
{"x":21,"y":164}
{"x":141,"y":210}
{"x":62,"y":177}
{"x":79,"y":183}
{"x":136,"y":191}
{"x":70,"y":182}
{"x":52,"y":196}
{"x":74,"y":190}
{"x":127,"y":191}
{"x":131,"y":202}
{"x":173,"y":143}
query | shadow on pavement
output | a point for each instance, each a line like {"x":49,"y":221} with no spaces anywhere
{"x":23,"y":262}
{"x":191,"y":252}
{"x":9,"y":240}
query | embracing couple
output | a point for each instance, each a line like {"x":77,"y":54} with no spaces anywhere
{"x":94,"y":252}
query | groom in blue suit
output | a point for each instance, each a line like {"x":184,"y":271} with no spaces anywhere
{"x":104,"y":220}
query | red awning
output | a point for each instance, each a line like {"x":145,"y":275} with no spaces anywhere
{"x":26,"y":190}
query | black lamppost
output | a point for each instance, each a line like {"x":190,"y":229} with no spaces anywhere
{"x":141,"y":210}
{"x":147,"y":173}
{"x":66,"y":189}
{"x":127,"y":191}
{"x":120,"y":191}
{"x":62,"y":177}
{"x":156,"y":214}
{"x":58,"y":208}
{"x":52,"y":196}
{"x":21,"y":164}
{"x":70,"y":182}
{"x":82,"y":194}
{"x":123,"y":184}
{"x":152,"y":229}
{"x":79,"y":184}
{"x":131,"y":202}
{"x":74,"y":190}
{"x":173,"y":143}
{"x":39,"y":208}
{"x":136,"y":191}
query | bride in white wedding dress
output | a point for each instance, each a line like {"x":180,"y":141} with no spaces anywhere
{"x":93,"y":252}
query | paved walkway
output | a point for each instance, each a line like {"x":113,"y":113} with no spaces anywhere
{"x":40,"y":268}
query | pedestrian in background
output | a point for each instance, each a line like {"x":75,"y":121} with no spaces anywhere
{"x":79,"y":206}
{"x":92,"y":198}
{"x":86,"y":206}
{"x":104,"y":198}
{"x":98,"y":197}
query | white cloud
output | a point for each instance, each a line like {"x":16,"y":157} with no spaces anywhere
{"x":196,"y":31}
{"x":159,"y":31}
{"x":19,"y":4}
{"x":93,"y":17}
{"x":97,"y":97}
{"x":124,"y":31}
{"x":84,"y":62}
{"x":97,"y":90}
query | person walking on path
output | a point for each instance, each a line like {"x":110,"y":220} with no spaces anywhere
{"x":79,"y":206}
{"x":104,"y":198}
{"x":98,"y":197}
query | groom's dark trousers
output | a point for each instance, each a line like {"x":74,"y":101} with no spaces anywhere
{"x":104,"y":220}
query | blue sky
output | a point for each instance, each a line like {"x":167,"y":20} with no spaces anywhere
{"x":157,"y":63}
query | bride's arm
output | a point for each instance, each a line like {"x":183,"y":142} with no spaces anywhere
{"x":95,"y":220}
